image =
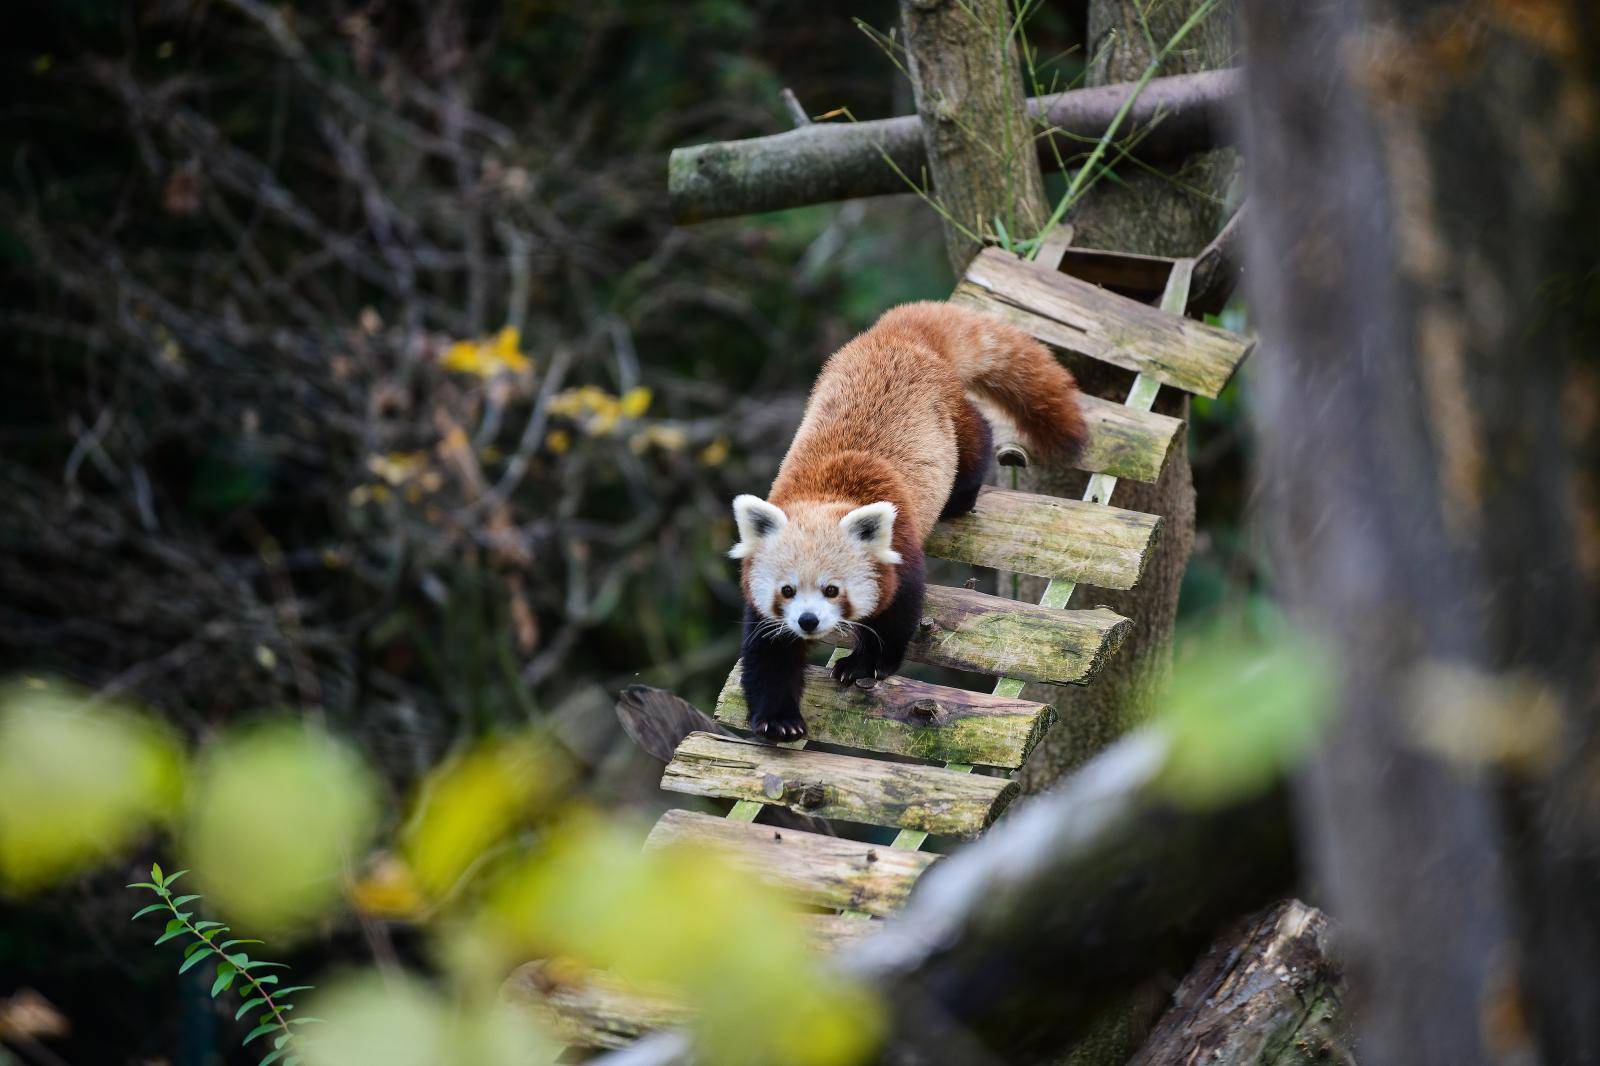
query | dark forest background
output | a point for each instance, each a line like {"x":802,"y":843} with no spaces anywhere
{"x":352,"y":362}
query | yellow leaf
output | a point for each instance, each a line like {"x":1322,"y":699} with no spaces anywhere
{"x":389,"y":890}
{"x":715,"y":453}
{"x":558,"y":441}
{"x":635,"y":402}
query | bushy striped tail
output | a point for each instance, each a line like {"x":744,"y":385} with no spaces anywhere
{"x":1009,"y":368}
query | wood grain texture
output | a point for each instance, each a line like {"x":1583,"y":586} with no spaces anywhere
{"x":1079,"y":317}
{"x":969,"y":630}
{"x":902,"y":795}
{"x":906,"y":717}
{"x":1048,"y":536}
{"x":816,"y":870}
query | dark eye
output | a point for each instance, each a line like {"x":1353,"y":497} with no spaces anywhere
{"x":831,"y":591}
{"x":788,"y":592}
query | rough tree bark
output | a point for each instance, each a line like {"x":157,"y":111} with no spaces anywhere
{"x":975,"y":125}
{"x":1423,"y":249}
{"x":1268,"y":993}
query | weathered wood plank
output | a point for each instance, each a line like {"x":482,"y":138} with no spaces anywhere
{"x":1084,"y":318}
{"x":930,"y":798}
{"x":1125,"y":442}
{"x":906,"y":717}
{"x":1048,"y":536}
{"x":816,"y":870}
{"x":969,"y":630}
{"x":590,"y":1008}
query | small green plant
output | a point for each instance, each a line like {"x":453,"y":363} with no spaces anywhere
{"x":233,"y":964}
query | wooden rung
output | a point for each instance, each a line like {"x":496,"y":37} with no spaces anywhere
{"x":590,"y":1008}
{"x":1048,"y":536}
{"x":969,"y":630}
{"x":1125,"y":441}
{"x":905,"y":795}
{"x":906,"y":717}
{"x":819,"y":870}
{"x":1084,"y":318}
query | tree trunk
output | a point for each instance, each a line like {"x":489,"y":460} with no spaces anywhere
{"x":975,"y":125}
{"x":1153,"y":215}
{"x":1423,"y":249}
{"x":1267,"y":994}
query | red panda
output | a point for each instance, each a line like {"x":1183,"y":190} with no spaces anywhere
{"x":889,"y":445}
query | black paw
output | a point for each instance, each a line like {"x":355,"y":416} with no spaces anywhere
{"x":857,"y":665}
{"x":779,"y":725}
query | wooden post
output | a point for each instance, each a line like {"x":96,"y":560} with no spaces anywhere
{"x":975,"y":125}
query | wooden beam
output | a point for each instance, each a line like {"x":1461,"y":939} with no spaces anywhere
{"x":904,"y":717}
{"x":815,"y":870}
{"x":1083,"y":318}
{"x":929,"y":798}
{"x":968,"y":630}
{"x":828,"y":161}
{"x":1048,"y":536}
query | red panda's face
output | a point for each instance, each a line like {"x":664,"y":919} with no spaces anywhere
{"x":814,"y":568}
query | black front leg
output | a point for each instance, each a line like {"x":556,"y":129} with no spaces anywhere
{"x":773,"y":677}
{"x":880,"y":652}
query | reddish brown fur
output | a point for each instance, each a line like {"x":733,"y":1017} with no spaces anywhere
{"x":889,"y":419}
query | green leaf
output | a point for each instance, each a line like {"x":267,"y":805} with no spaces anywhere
{"x":282,"y":1040}
{"x":248,"y":1005}
{"x":225,"y":974}
{"x":267,"y":979}
{"x":155,"y":872}
{"x":196,"y":946}
{"x":294,"y":988}
{"x":226,"y":944}
{"x":203,"y":926}
{"x":144,"y":884}
{"x":257,"y":1031}
{"x":175,"y":927}
{"x":142,"y":911}
{"x":241,"y":961}
{"x":274,"y":1057}
{"x":259,"y":965}
{"x":305,"y":1021}
{"x":181,"y":900}
{"x":172,"y":877}
{"x":197,"y":957}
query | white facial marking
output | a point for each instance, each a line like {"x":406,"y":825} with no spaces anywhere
{"x":757,"y":521}
{"x":809,"y":553}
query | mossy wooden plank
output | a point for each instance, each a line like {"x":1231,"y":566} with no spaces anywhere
{"x":1048,"y":536}
{"x":906,"y":717}
{"x":819,"y":870}
{"x":1122,"y":441}
{"x":904,"y":795}
{"x":590,"y":1008}
{"x":969,"y":630}
{"x":1079,"y":317}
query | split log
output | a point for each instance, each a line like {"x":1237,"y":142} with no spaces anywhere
{"x":899,"y":795}
{"x":1267,"y":994}
{"x":968,"y":630}
{"x":828,"y":161}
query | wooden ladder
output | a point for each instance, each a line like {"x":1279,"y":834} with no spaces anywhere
{"x":937,"y":737}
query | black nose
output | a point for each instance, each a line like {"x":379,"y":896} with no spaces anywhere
{"x":808,"y":621}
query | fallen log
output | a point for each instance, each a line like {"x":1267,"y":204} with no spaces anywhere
{"x":1269,"y":993}
{"x":827,"y":161}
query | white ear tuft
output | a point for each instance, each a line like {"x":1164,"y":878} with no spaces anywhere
{"x":757,"y":520}
{"x":873,"y":527}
